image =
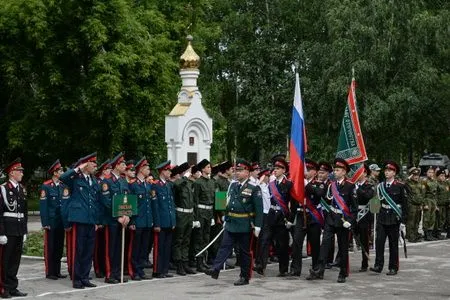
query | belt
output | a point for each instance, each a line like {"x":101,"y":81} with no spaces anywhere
{"x":301,"y":209}
{"x":336,"y":210}
{"x":387,"y":206}
{"x":202,"y":206}
{"x":275,"y":207}
{"x":184,"y":210}
{"x":14,"y":215}
{"x":241,"y":215}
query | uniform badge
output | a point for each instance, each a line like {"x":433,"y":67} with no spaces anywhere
{"x":66,"y":192}
{"x":42,"y":194}
{"x":322,"y":186}
{"x":104,"y":187}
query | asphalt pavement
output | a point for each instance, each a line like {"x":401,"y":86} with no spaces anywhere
{"x":425,"y":274}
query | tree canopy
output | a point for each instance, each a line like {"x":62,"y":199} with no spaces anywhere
{"x":82,"y":76}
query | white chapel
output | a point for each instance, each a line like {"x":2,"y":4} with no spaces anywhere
{"x":188,"y":127}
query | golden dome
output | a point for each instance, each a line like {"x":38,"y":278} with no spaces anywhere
{"x":189,"y":59}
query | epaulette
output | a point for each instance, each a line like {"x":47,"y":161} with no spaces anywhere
{"x":48,"y":182}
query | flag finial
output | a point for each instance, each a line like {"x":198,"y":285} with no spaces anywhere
{"x":353,"y":73}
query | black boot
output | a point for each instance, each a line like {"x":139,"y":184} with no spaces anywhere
{"x":187,"y":269}
{"x":180,"y":269}
{"x":200,"y":267}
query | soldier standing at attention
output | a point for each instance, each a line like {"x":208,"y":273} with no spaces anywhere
{"x":51,"y":194}
{"x":442,"y":198}
{"x":364,"y":192}
{"x":184,"y":202}
{"x":392,"y":213}
{"x":115,"y":185}
{"x":165,"y":221}
{"x":277,"y":218}
{"x":342,"y":214}
{"x":142,"y":224}
{"x":204,"y":196}
{"x":243,"y":214}
{"x":429,"y":209}
{"x":83,"y":215}
{"x":416,"y":192}
{"x":13,"y":228}
{"x":104,"y":171}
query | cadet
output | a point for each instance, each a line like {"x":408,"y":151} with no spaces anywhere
{"x":13,"y":228}
{"x":83,"y":214}
{"x":277,"y":218}
{"x":103,"y":172}
{"x":342,"y":214}
{"x":165,"y":221}
{"x":429,"y":209}
{"x":416,"y":192}
{"x":51,"y":194}
{"x":184,"y":202}
{"x":204,"y":196}
{"x":308,"y":220}
{"x":442,"y":198}
{"x":142,"y":224}
{"x":130,"y":171}
{"x":364,"y":192}
{"x":115,"y":185}
{"x":263,"y":178}
{"x":393,"y":212}
{"x":374,"y":174}
{"x":243,"y":214}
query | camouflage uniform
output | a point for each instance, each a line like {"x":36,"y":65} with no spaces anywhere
{"x":429,"y":212}
{"x":416,"y":192}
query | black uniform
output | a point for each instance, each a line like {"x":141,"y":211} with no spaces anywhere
{"x":388,"y":224}
{"x":364,"y":192}
{"x":310,"y":226}
{"x":13,"y":225}
{"x":276,"y":221}
{"x":334,"y":225}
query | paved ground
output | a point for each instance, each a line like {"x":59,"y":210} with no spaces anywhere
{"x":425,"y":274}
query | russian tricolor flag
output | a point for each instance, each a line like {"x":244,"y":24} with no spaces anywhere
{"x":297,"y":147}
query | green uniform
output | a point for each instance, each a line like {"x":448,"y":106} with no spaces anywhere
{"x":448,"y":209}
{"x":184,"y":206}
{"x":442,"y":204}
{"x":429,"y":214}
{"x":416,"y":201}
{"x":204,"y":195}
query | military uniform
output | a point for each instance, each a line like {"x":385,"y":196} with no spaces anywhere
{"x":388,"y":220}
{"x":442,"y":199}
{"x":51,"y":197}
{"x":184,"y":202}
{"x":165,"y":219}
{"x":416,"y":192}
{"x":429,"y":212}
{"x":115,"y":185}
{"x":343,"y":210}
{"x":204,"y":197}
{"x":83,"y":214}
{"x":143,"y":222}
{"x":276,"y":220}
{"x":244,"y":211}
{"x":364,"y":192}
{"x":13,"y":227}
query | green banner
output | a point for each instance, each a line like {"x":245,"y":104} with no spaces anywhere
{"x":351,"y":143}
{"x":221,"y":201}
{"x":124,"y":205}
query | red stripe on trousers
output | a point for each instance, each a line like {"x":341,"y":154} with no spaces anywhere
{"x":107,"y":265}
{"x":252,"y":240}
{"x":96,"y":267}
{"x":130,"y":253}
{"x":74,"y":249}
{"x":46,"y":256}
{"x":155,"y":252}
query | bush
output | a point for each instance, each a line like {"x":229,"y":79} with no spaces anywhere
{"x":34,"y":245}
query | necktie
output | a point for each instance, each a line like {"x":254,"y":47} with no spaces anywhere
{"x":388,"y":185}
{"x":88,"y":178}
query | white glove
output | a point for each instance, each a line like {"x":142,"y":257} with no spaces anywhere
{"x":3,"y":240}
{"x":195,"y":224}
{"x":347,"y":224}
{"x":289,"y":224}
{"x":403,"y":228}
{"x":213,"y":222}
{"x":24,"y":238}
{"x":257,"y":231}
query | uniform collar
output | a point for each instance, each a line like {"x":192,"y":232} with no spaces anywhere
{"x":14,"y":184}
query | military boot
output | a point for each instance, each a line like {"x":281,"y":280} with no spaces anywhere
{"x":187,"y":269}
{"x":200,"y":266}
{"x":180,"y":269}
